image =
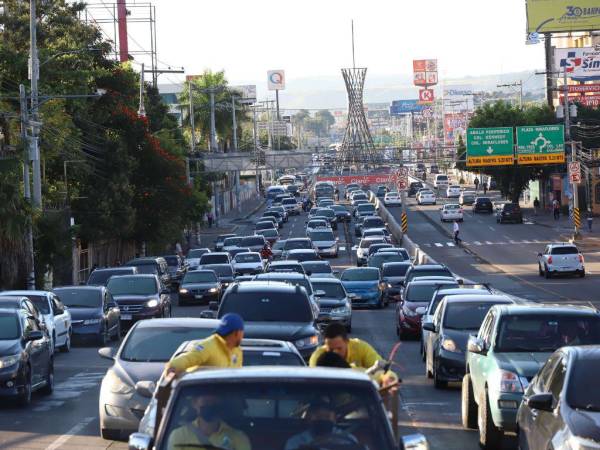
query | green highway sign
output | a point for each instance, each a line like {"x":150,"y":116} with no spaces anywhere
{"x":541,"y":144}
{"x":490,"y":146}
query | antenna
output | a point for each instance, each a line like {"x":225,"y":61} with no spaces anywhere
{"x":353,"y":62}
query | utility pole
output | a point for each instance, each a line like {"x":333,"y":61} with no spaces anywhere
{"x":255,"y":138}
{"x":142,"y":108}
{"x":33,"y":142}
{"x":574,"y":187}
{"x":27,"y":190}
{"x":235,"y":149}
{"x":515,"y":84}
{"x":192,"y":125}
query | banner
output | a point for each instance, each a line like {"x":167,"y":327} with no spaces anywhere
{"x":399,"y":107}
{"x":554,"y":16}
{"x":592,"y":101}
{"x":455,"y":124}
{"x":581,"y":64}
{"x":361,"y":179}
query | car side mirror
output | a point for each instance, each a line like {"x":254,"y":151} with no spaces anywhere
{"x":145,"y":388}
{"x":206,"y":314}
{"x":139,"y":441}
{"x":542,"y":402}
{"x":107,"y":352}
{"x":476,"y":345}
{"x":408,"y":442}
{"x":213,"y":306}
{"x":34,"y":335}
{"x":429,"y":326}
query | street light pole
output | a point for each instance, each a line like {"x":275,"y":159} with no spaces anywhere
{"x":235,"y":148}
{"x":27,"y":191}
{"x":33,"y":142}
{"x":574,"y":188}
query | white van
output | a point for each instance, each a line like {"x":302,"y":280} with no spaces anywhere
{"x":441,"y":181}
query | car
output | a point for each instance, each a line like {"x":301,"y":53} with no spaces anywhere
{"x":453,"y":191}
{"x":329,"y":214}
{"x":317,"y":224}
{"x":255,"y":243}
{"x":341,"y":213}
{"x":376,"y":247}
{"x":357,"y":195}
{"x":26,"y":357}
{"x":177,"y":268}
{"x":24,"y":304}
{"x":302,"y":255}
{"x":199,"y":286}
{"x":414,"y":187}
{"x":368,"y":222}
{"x":231,"y":243}
{"x":334,"y":303}
{"x":377,"y":232}
{"x":392,"y":275}
{"x":366,"y":209}
{"x":455,"y":319}
{"x":433,"y":169}
{"x":155,"y":265}
{"x":285,"y":266}
{"x":324,"y":242}
{"x":275,"y":216}
{"x":292,"y":206}
{"x":318,"y":269}
{"x":513,"y":343}
{"x":220,"y":239}
{"x":142,"y":356}
{"x":100,"y":276}
{"x":415,"y":298}
{"x":271,"y":235}
{"x":325,"y":202}
{"x":248,"y":263}
{"x":224,"y":273}
{"x":312,"y":212}
{"x":426,"y":197}
{"x":428,"y":270}
{"x":233,"y":253}
{"x":193,"y":257}
{"x":451,"y":212}
{"x":270,"y":352}
{"x":509,"y":212}
{"x":559,"y":406}
{"x":377,"y":259}
{"x":273,"y":220}
{"x":381,"y":191}
{"x":295,"y":244}
{"x":561,"y":258}
{"x":466,"y":198}
{"x":279,"y":209}
{"x":55,"y":317}
{"x":275,"y":310}
{"x":397,"y":250}
{"x":277,"y":248}
{"x":293,"y":189}
{"x":140,"y":297}
{"x":440,"y":181}
{"x":95,"y":314}
{"x":392,"y":199}
{"x":263,"y":225}
{"x":348,"y":395}
{"x":364,"y":286}
{"x":362,"y":249}
{"x":483,"y":205}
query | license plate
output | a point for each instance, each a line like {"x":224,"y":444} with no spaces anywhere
{"x":198,"y":296}
{"x":126,"y":316}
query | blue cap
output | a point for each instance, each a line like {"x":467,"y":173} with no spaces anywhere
{"x":230,"y":322}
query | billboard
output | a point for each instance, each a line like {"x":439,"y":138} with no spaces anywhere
{"x":247,"y":93}
{"x":458,"y":98}
{"x":361,"y":179}
{"x":455,"y":124}
{"x":425,"y":72}
{"x":554,"y":16}
{"x":276,"y":80}
{"x":581,"y":64}
{"x":399,"y":107}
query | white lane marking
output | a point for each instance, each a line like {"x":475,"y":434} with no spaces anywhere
{"x":526,"y":242}
{"x":427,"y":245}
{"x":489,"y":242}
{"x":437,"y":244}
{"x":450,"y":244}
{"x":69,"y":389}
{"x":60,"y":441}
{"x":477,"y":243}
{"x":492,"y":228}
{"x":513,"y":241}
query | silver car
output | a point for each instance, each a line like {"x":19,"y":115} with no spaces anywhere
{"x":325,"y":242}
{"x":142,"y":356}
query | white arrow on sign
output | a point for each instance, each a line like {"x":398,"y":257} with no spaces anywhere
{"x":490,"y":150}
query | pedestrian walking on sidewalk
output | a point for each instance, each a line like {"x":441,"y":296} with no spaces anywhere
{"x":536,"y":206}
{"x":590,"y":220}
{"x":456,"y":228}
{"x":484,"y":188}
{"x":556,"y":209}
{"x":209,"y":218}
{"x":476,"y":183}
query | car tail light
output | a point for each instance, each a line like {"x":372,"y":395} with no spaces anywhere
{"x":549,"y":259}
{"x":581,"y":258}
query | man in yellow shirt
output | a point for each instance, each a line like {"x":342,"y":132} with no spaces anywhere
{"x":357,"y":353}
{"x":207,"y":429}
{"x":221,"y":349}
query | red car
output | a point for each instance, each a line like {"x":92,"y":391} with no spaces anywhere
{"x":271,"y":235}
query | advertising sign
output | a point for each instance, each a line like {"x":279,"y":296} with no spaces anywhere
{"x":384,"y":178}
{"x":455,"y":124}
{"x":399,"y":107}
{"x":583,"y":88}
{"x":574,"y":172}
{"x":593,"y":101}
{"x":554,"y":16}
{"x":276,"y":80}
{"x":425,"y":72}
{"x":247,"y":93}
{"x":458,"y":98}
{"x":581,"y":64}
{"x":425,"y":96}
{"x":490,"y":146}
{"x":541,"y":144}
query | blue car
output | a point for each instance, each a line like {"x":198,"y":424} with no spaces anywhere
{"x":364,"y":286}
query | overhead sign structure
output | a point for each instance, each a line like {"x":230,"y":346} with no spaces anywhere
{"x":399,"y":107}
{"x":426,"y":96}
{"x":541,"y":144}
{"x":574,"y":172}
{"x":425,"y":72}
{"x":581,"y":64}
{"x":276,"y":80}
{"x":555,"y":16}
{"x":247,"y":93}
{"x":490,"y":146}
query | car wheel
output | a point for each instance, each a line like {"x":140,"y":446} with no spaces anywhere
{"x":49,"y":380}
{"x":110,"y":435}
{"x":437,"y":382}
{"x":117,"y":334}
{"x":490,"y":436}
{"x":24,"y":398}
{"x":66,"y":347}
{"x":103,"y":337}
{"x":547,"y":272}
{"x":468,"y":404}
{"x":582,"y":274}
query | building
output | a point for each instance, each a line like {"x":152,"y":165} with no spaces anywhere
{"x":170,"y":96}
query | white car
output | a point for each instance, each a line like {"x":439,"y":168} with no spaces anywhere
{"x":440,"y":181}
{"x":451,"y":211}
{"x":291,"y":206}
{"x":453,"y":191}
{"x":392,"y":199}
{"x":558,"y":258}
{"x":248,"y":263}
{"x":426,"y":197}
{"x":57,"y":317}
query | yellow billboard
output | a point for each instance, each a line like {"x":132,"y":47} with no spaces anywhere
{"x":548,"y":16}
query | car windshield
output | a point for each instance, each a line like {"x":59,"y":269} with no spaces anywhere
{"x":465,"y":316}
{"x":269,"y":233}
{"x":40,"y":302}
{"x":100,"y":277}
{"x":279,"y":245}
{"x":268,"y":306}
{"x":316,"y":267}
{"x":583,"y":375}
{"x":252,"y":241}
{"x":132,"y":286}
{"x":80,"y":298}
{"x":338,"y":208}
{"x":546,"y":332}
{"x":214,"y":258}
{"x":271,"y":358}
{"x":373,"y":222}
{"x":366,"y":207}
{"x":247,"y":258}
{"x":366,"y":243}
{"x":232,"y":241}
{"x":196,"y":253}
{"x":442,"y":178}
{"x":199,"y":277}
{"x":452,"y":207}
{"x":483,"y":200}
{"x":332,"y":290}
{"x":395,"y":270}
{"x":325,"y":212}
{"x":317,"y":223}
{"x":299,"y":244}
{"x":157,"y":344}
{"x":147,"y":269}
{"x":171,"y":260}
{"x":420,"y":293}
{"x":429,"y":273}
{"x":322,"y":236}
{"x":378,"y":259}
{"x":360,"y":275}
{"x":291,"y":267}
{"x":304,"y":282}
{"x":288,"y":201}
{"x":564,"y":251}
{"x":222,"y":270}
{"x":285,"y":405}
{"x":9,"y":326}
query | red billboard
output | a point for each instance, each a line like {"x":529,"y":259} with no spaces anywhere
{"x":383,"y":178}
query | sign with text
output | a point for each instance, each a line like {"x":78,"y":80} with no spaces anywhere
{"x":574,"y":172}
{"x":405,"y":107}
{"x":455,"y":125}
{"x":581,"y":64}
{"x":592,"y":101}
{"x":361,"y":179}
{"x":425,"y":96}
{"x":402,"y":178}
{"x":541,"y":144}
{"x":490,"y":146}
{"x":583,"y":88}
{"x":554,"y":16}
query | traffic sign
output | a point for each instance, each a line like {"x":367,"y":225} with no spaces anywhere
{"x":574,"y":172}
{"x":541,"y":144}
{"x":425,"y":96}
{"x":402,"y":178}
{"x":490,"y":146}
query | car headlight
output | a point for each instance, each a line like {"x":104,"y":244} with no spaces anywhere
{"x":8,"y":361}
{"x":410,"y":312}
{"x":152,"y":303}
{"x":212,"y":290}
{"x":342,"y":310}
{"x":183,"y":291}
{"x":307,"y":342}
{"x":450,"y":346}
{"x":92,"y":321}
{"x":388,"y":285}
{"x":510,"y":382}
{"x":116,"y":385}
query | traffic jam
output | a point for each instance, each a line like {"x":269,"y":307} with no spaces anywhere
{"x":262,"y":355}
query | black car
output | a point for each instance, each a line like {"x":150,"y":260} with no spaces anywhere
{"x":26,"y":362}
{"x":381,"y":191}
{"x":255,"y":243}
{"x":215,"y":258}
{"x":220,"y":239}
{"x":392,"y":274}
{"x":427,"y":270}
{"x":509,"y":212}
{"x":341,"y":213}
{"x":368,"y":222}
{"x":99,"y":277}
{"x":224,"y":273}
{"x":176,"y":266}
{"x":153,"y":265}
{"x":561,"y":403}
{"x":273,"y":310}
{"x":483,"y":205}
{"x":199,"y":286}
{"x":94,"y":313}
{"x":456,"y":318}
{"x":414,"y":188}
